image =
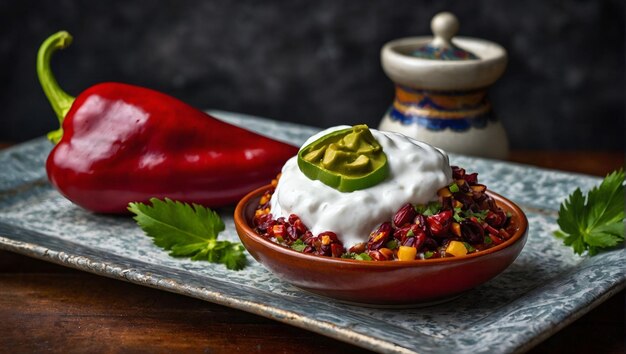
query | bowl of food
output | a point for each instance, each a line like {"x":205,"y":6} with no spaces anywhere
{"x":377,"y":218}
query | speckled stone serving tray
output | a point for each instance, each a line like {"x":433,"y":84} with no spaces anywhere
{"x":545,"y":289}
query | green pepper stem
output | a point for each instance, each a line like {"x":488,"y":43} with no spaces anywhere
{"x":59,"y":99}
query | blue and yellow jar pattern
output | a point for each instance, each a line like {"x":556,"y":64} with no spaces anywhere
{"x":439,"y":110}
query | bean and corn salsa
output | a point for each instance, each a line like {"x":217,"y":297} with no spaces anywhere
{"x":464,"y":220}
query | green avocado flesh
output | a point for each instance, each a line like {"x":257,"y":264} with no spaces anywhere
{"x":347,"y":160}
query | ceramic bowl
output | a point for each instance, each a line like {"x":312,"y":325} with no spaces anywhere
{"x":385,"y":283}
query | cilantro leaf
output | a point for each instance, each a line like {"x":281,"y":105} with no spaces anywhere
{"x":588,"y":223}
{"x":431,"y":208}
{"x":358,"y":256}
{"x":393,"y":244}
{"x":188,"y":231}
{"x":363,"y":257}
{"x":457,"y":214}
{"x":298,"y":245}
{"x":469,"y":247}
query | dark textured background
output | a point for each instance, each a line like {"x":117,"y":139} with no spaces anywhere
{"x":317,"y":62}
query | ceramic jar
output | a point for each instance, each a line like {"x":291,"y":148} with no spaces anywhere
{"x":441,"y":90}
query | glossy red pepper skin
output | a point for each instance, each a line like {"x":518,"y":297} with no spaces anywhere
{"x":122,"y":143}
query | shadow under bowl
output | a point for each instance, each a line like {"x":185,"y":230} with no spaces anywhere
{"x":383,"y":283}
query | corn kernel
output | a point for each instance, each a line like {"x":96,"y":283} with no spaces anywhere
{"x":479,"y":188}
{"x":456,"y":249}
{"x":406,"y":253}
{"x":260,"y":212}
{"x":456,"y":228}
{"x":386,"y":252}
{"x":325,"y":240}
{"x":444,"y":192}
{"x":278,"y":230}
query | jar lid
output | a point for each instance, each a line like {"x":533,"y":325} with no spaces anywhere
{"x":444,"y":26}
{"x":443,"y":61}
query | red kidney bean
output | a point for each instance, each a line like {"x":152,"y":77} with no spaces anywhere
{"x":496,"y":219}
{"x":377,"y":255}
{"x":336,"y":250}
{"x":471,"y":178}
{"x":490,"y":229}
{"x":358,"y":248}
{"x":457,"y":172}
{"x":430,"y":243}
{"x":420,"y":220}
{"x":472,"y":232}
{"x":404,"y":215}
{"x":292,"y":233}
{"x":379,"y":237}
{"x":308,"y":238}
{"x":439,"y":224}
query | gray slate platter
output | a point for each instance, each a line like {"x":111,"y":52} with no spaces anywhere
{"x":544,"y":290}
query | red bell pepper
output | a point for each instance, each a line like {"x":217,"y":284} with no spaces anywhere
{"x":121,"y":143}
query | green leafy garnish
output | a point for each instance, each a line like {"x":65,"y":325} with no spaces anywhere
{"x":428,"y":254}
{"x":358,"y":256}
{"x":458,"y":217}
{"x":298,"y":245}
{"x":460,"y":214}
{"x":469,"y":247}
{"x":488,"y":240}
{"x":595,"y":221}
{"x":188,"y":231}
{"x":479,"y":215}
{"x":454,"y":188}
{"x":363,"y":257}
{"x":431,"y":208}
{"x":393,"y":244}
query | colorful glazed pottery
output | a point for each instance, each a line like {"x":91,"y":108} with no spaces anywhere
{"x":441,"y":90}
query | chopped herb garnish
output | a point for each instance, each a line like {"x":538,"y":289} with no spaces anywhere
{"x":363,"y":257}
{"x":457,"y":215}
{"x":392,"y":245}
{"x":358,"y":256}
{"x":488,"y":240}
{"x":454,"y":188}
{"x":431,"y":208}
{"x":480,"y":216}
{"x":428,"y":254}
{"x":298,"y":245}
{"x":469,"y":247}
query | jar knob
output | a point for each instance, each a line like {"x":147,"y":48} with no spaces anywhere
{"x":444,"y":26}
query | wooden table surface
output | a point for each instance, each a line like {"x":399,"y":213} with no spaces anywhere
{"x":48,"y":308}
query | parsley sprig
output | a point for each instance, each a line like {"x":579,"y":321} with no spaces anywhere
{"x":188,"y":231}
{"x":595,"y":221}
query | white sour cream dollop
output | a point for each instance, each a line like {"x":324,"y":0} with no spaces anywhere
{"x":416,"y":171}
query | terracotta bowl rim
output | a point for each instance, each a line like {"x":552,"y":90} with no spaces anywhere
{"x":242,"y":223}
